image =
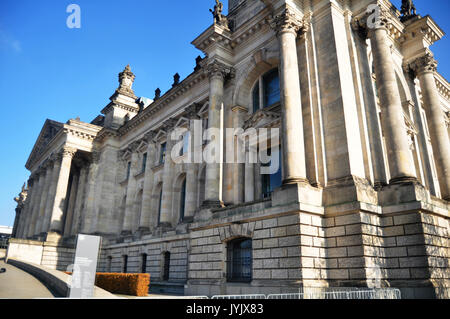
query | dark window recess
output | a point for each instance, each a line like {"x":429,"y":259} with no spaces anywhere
{"x":271,"y":181}
{"x":256,"y":98}
{"x":125,"y":263}
{"x":240,"y":260}
{"x":128,"y":170}
{"x":183,"y":200}
{"x":162,"y":155}
{"x":144,"y":264}
{"x":271,"y":82}
{"x":166,"y":268}
{"x":159,"y":207}
{"x":144,"y":162}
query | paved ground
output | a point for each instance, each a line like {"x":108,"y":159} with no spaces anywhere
{"x":17,"y":284}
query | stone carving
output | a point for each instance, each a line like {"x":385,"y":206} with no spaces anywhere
{"x":423,"y":64}
{"x":371,"y":20}
{"x":176,"y":79}
{"x":68,"y":151}
{"x":219,"y":18}
{"x":126,"y":80}
{"x":287,"y":21}
{"x":198,"y":65}
{"x":157,"y":94}
{"x":408,"y":10}
{"x":218,"y":69}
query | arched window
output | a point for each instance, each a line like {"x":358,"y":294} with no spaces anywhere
{"x":239,"y":260}
{"x":266,"y":91}
{"x":183,"y":200}
{"x":166,"y":266}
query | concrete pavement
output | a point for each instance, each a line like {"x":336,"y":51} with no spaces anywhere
{"x":17,"y":284}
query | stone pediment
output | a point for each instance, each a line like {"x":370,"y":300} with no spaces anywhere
{"x":48,"y":133}
{"x":262,"y":119}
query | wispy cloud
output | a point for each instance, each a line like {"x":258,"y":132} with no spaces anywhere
{"x":7,"y":42}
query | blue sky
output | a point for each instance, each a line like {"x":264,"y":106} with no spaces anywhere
{"x":51,"y":71}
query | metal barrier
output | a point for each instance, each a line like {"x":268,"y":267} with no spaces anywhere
{"x":349,"y":293}
{"x":256,"y":296}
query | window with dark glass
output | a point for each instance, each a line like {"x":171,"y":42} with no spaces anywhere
{"x":185,"y":148}
{"x":256,"y":98}
{"x":128,"y":169}
{"x":183,"y":200}
{"x":270,"y":84}
{"x":144,"y":162}
{"x":125,"y":264}
{"x":159,"y":207}
{"x":162,"y":154}
{"x":271,"y":181}
{"x":166,"y":267}
{"x":240,"y":260}
{"x":144,"y":264}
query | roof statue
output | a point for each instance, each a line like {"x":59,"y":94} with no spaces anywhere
{"x":219,"y":18}
{"x":408,"y":10}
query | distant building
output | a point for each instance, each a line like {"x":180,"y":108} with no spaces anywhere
{"x":5,"y":234}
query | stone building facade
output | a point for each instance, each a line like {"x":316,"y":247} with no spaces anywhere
{"x":362,"y":195}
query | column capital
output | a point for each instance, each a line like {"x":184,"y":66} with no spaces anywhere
{"x":217,"y":69}
{"x":423,"y":64}
{"x":375,"y":18}
{"x":68,"y":151}
{"x":287,"y":21}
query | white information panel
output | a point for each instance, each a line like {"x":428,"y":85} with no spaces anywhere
{"x":85,"y":266}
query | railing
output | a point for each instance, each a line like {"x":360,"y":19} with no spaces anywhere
{"x":382,"y":293}
{"x":255,"y":296}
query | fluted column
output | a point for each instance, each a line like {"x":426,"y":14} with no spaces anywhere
{"x":239,"y":114}
{"x":68,"y":220}
{"x":36,"y":203}
{"x":400,"y":159}
{"x":62,"y":178}
{"x":43,"y":202}
{"x":167,"y":187}
{"x":146,"y":213}
{"x":53,"y":169}
{"x":127,"y":226}
{"x":286,"y":25}
{"x":425,"y":69}
{"x":217,"y":72}
{"x":191,"y":174}
{"x":80,"y":200}
{"x":25,"y":211}
{"x":92,"y":178}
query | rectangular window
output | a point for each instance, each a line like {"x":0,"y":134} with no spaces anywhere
{"x":144,"y":162}
{"x":125,"y":264}
{"x":128,"y":170}
{"x":162,"y":154}
{"x":144,"y":263}
{"x":272,"y":181}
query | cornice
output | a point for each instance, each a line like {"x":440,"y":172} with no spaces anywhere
{"x":443,"y":86}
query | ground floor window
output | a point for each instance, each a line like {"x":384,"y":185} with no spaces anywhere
{"x":239,"y":260}
{"x":166,"y":266}
{"x":144,"y":264}
{"x":125,"y":264}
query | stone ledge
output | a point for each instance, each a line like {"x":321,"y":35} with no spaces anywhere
{"x":56,"y":281}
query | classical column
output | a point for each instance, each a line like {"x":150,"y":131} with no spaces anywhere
{"x":145,"y":219}
{"x":28,"y":207}
{"x":80,"y":200}
{"x":89,"y":211}
{"x":217,"y":72}
{"x":239,"y":114}
{"x":127,"y":226}
{"x":191,"y":174}
{"x":167,"y":188}
{"x":425,"y":69}
{"x":36,"y":203}
{"x":62,"y":181}
{"x":53,"y":169}
{"x":68,"y":220}
{"x":249,"y":176}
{"x":43,"y":202}
{"x":401,"y":163}
{"x":286,"y":25}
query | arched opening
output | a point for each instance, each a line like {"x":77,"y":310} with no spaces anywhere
{"x":239,"y":260}
{"x":266,"y":91}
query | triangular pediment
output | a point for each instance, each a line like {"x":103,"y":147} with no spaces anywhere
{"x":48,"y":133}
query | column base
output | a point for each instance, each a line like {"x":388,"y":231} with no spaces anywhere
{"x":53,"y":237}
{"x":211,"y":204}
{"x":298,"y":193}
{"x":403,"y":180}
{"x":295,"y":180}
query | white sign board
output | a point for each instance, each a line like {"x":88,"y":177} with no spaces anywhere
{"x":85,"y":267}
